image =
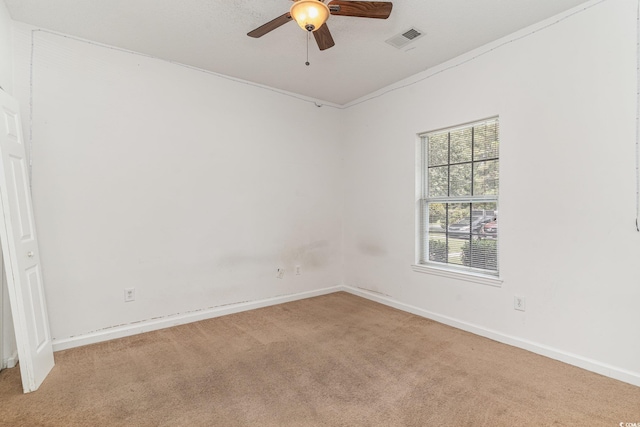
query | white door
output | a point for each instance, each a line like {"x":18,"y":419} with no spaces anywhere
{"x":20,"y":252}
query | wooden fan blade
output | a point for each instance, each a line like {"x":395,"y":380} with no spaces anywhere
{"x":323,"y":37}
{"x":270,"y":26}
{"x":361,"y":9}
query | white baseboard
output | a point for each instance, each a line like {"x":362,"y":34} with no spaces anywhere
{"x":181,"y":319}
{"x":563,"y":356}
{"x":10,"y":362}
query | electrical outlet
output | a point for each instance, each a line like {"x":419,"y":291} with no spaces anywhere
{"x":129,"y":294}
{"x":518,"y":303}
{"x":280,"y":274}
{"x":297,"y":270}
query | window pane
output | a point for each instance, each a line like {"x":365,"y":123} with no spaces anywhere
{"x":434,"y":227}
{"x":438,"y":248}
{"x":485,"y":141}
{"x":482,"y":214}
{"x":485,"y":178}
{"x":437,"y":218}
{"x":459,"y":226}
{"x":460,"y":180}
{"x":438,"y":150}
{"x":457,"y":211}
{"x":484,"y":254}
{"x":438,"y":181}
{"x":461,"y":146}
{"x":486,"y":208}
{"x":455,"y":251}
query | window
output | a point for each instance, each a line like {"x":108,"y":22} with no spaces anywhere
{"x":459,"y":201}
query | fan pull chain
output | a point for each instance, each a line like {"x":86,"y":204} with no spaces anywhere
{"x":308,"y":37}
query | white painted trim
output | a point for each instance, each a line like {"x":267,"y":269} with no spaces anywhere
{"x":181,"y":319}
{"x":467,"y":276}
{"x":553,"y":353}
{"x":10,"y":362}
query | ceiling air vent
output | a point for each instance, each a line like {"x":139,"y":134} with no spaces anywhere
{"x":403,"y":39}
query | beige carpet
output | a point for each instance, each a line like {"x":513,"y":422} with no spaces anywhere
{"x":334,"y":360}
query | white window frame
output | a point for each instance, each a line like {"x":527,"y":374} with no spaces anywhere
{"x":422,"y":236}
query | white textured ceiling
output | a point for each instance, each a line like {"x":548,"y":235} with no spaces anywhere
{"x":211,"y":34}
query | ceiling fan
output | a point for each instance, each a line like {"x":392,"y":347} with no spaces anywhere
{"x":311,"y":15}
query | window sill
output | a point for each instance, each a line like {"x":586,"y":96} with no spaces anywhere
{"x":460,"y":275}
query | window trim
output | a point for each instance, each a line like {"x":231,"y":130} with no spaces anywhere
{"x":466,"y":275}
{"x":440,"y":269}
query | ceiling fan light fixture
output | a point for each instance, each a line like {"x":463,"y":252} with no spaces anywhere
{"x":310,"y":14}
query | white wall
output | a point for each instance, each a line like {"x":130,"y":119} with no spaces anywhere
{"x":566,"y":99}
{"x":190,"y":187}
